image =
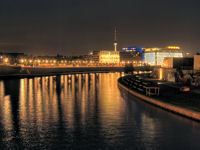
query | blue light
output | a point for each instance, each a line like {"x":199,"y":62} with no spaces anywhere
{"x":140,"y":49}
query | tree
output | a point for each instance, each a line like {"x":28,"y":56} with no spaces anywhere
{"x":129,"y":68}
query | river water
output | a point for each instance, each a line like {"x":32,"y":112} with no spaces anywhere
{"x":86,"y":112}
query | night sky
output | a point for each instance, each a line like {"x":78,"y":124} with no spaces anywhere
{"x":73,"y":27}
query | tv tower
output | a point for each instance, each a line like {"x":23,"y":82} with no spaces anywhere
{"x":115,"y":39}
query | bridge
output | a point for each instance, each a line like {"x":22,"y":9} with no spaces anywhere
{"x":21,"y":72}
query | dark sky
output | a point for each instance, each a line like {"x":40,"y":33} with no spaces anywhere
{"x":73,"y":27}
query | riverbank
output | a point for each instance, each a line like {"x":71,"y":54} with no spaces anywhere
{"x":184,"y":104}
{"x":7,"y":72}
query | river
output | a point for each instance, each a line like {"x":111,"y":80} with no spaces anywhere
{"x":86,"y":111}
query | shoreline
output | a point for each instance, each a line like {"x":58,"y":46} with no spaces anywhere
{"x":10,"y":72}
{"x":163,"y":105}
{"x":19,"y":76}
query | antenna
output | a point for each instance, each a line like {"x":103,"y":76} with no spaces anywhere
{"x":115,"y":39}
{"x":115,"y":34}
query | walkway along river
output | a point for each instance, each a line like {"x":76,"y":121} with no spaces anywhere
{"x":86,"y":111}
{"x":125,"y":83}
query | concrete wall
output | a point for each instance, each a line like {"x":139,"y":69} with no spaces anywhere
{"x":175,"y":109}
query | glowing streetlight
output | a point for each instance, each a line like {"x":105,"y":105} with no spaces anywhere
{"x":5,"y":60}
{"x":22,"y":60}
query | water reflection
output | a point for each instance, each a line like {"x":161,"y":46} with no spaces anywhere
{"x":6,"y":116}
{"x":84,"y":111}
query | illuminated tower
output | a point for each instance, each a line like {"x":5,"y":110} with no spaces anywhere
{"x":115,"y":40}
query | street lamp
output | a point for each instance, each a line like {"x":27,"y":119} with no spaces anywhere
{"x":21,"y":60}
{"x":6,"y":60}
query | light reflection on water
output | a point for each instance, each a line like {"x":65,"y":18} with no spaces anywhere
{"x":86,"y":111}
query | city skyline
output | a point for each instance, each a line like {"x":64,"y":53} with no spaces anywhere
{"x":75,"y":27}
{"x":99,"y":74}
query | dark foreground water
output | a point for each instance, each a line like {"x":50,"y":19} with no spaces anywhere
{"x":86,"y":112}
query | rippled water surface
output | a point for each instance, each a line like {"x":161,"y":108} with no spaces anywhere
{"x":86,"y":111}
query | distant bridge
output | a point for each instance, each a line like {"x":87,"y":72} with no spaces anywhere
{"x":20,"y":72}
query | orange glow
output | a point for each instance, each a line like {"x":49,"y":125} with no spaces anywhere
{"x":160,"y":73}
{"x":6,"y":60}
{"x":173,"y":47}
{"x":109,"y":57}
{"x":22,"y":60}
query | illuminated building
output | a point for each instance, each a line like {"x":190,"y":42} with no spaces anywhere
{"x":155,"y":56}
{"x":94,"y":56}
{"x":131,"y":54}
{"x":11,"y":58}
{"x":109,"y":57}
{"x":186,"y":63}
{"x":133,"y":49}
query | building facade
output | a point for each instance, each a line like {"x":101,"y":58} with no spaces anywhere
{"x":155,"y":56}
{"x":94,"y":56}
{"x":131,"y":55}
{"x":109,"y":57}
{"x":174,"y":62}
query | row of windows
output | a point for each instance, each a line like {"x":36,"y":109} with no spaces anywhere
{"x":157,"y":58}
